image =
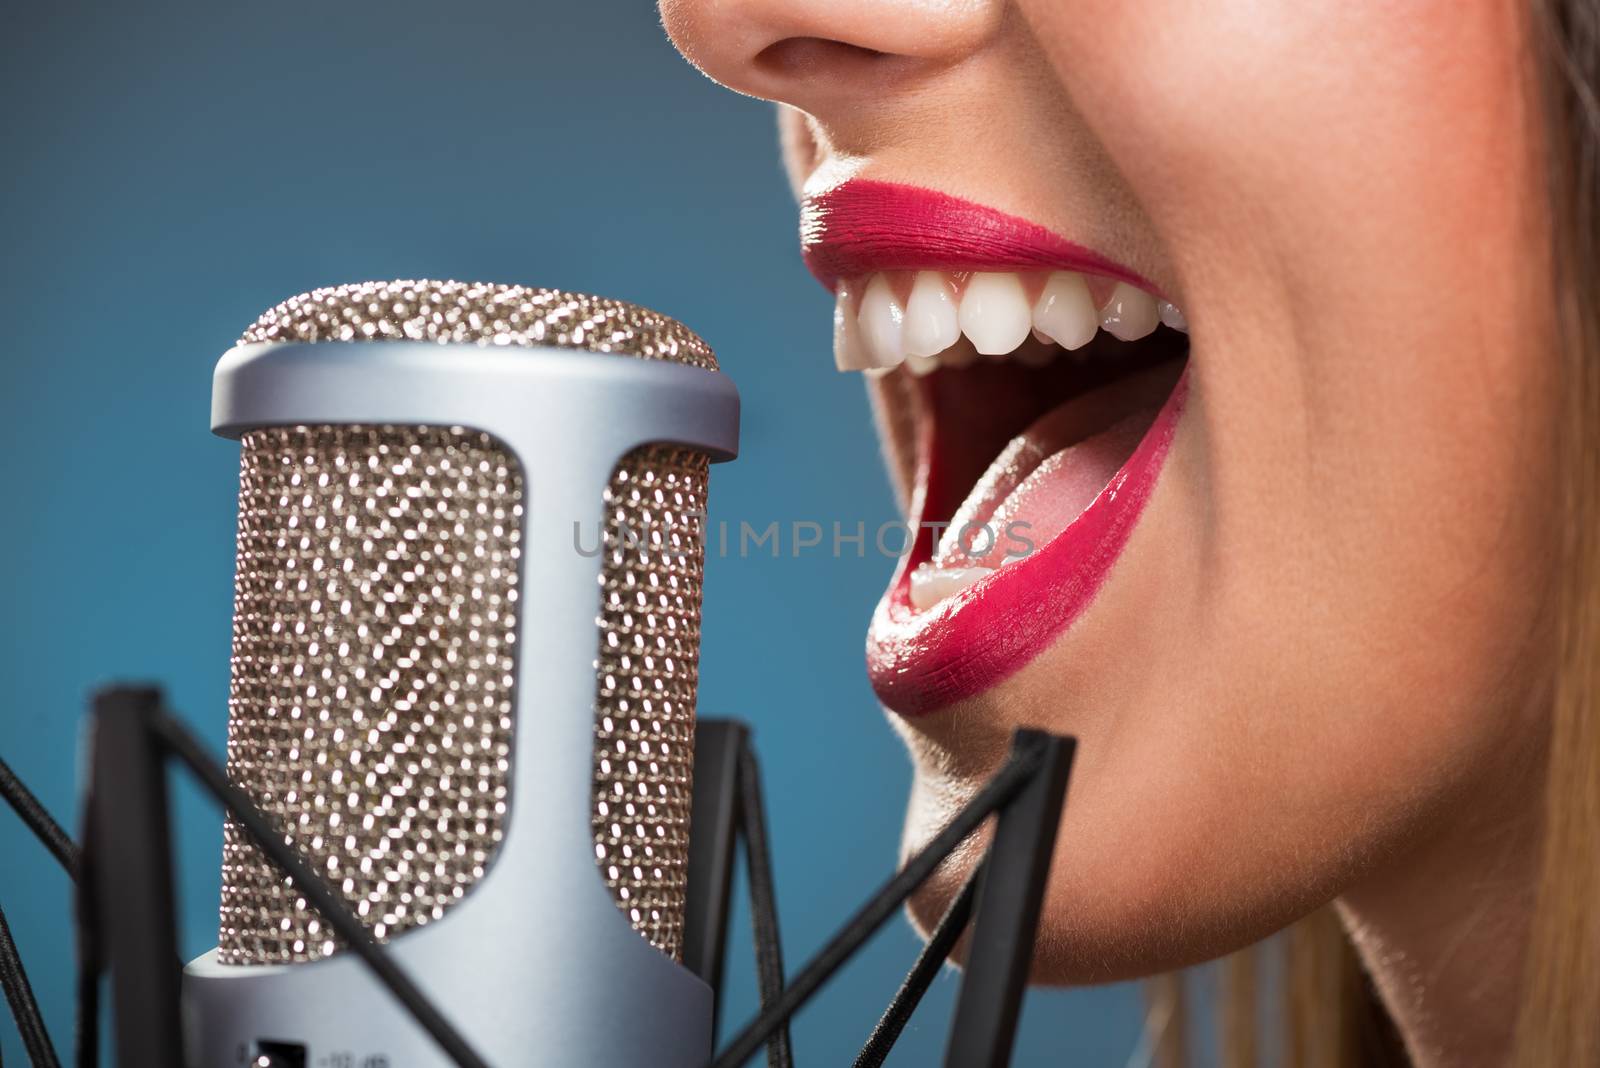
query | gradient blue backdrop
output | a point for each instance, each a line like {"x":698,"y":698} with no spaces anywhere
{"x":170,"y":170}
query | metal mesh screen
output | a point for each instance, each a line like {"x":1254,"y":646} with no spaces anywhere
{"x":480,"y":313}
{"x":371,"y":704}
{"x":371,"y":701}
{"x":648,"y":671}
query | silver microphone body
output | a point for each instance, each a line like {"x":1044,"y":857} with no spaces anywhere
{"x":478,"y":734}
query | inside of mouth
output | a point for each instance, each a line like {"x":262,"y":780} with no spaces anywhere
{"x":1011,"y":450}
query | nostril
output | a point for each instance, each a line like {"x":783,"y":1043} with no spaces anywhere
{"x":827,"y":56}
{"x":810,"y":57}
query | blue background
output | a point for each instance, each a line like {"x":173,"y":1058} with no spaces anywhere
{"x":170,"y":170}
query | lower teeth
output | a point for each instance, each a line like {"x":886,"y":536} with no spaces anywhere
{"x":930,"y":585}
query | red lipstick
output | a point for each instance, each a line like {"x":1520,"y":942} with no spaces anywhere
{"x":862,"y":226}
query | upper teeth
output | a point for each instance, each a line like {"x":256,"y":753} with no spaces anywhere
{"x":876,"y":329}
{"x":994,"y":313}
{"x":882,"y":324}
{"x":932,"y":323}
{"x":1065,"y":312}
{"x":1129,"y":314}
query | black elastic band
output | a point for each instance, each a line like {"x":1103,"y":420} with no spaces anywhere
{"x":14,"y":978}
{"x":89,"y":960}
{"x":88,"y":1038}
{"x":1024,"y":761}
{"x":38,"y":820}
{"x":271,"y":841}
{"x":24,"y":1006}
{"x":763,"y":903}
{"x":943,"y":939}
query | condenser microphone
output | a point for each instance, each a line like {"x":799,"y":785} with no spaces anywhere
{"x":465,"y":656}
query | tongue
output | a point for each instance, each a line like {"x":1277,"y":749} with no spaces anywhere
{"x":1042,"y":504}
{"x":1051,"y":472}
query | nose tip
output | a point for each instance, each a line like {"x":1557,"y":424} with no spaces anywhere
{"x":814,"y":54}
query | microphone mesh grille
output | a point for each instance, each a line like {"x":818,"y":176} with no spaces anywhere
{"x":374,"y":623}
{"x":654,"y":550}
{"x":373,"y":641}
{"x":480,"y":313}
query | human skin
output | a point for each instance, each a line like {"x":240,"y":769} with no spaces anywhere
{"x":1319,"y":669}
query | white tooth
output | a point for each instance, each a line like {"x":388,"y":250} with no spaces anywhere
{"x":1173,"y":317}
{"x":931,"y":321}
{"x":921,"y":365}
{"x":881,"y":319}
{"x":930,"y":585}
{"x":959,"y":354}
{"x":1130,"y":314}
{"x":849,"y":347}
{"x":1065,"y":311}
{"x":994,"y":312}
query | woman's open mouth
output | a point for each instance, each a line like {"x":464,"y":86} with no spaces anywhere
{"x":1040,"y":384}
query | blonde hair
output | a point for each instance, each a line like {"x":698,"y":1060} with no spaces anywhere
{"x":1560,"y":1018}
{"x":1326,"y":1013}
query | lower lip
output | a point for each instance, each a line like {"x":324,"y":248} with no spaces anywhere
{"x":922,"y":661}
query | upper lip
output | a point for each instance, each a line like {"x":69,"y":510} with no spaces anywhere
{"x":861,"y":226}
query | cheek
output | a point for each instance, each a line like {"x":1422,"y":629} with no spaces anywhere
{"x":1340,"y":642}
{"x":1319,"y":166}
{"x":1269,"y":97}
{"x":1347,"y":195}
